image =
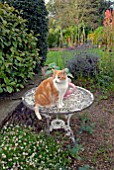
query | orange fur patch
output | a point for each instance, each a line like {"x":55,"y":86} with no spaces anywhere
{"x":46,"y":93}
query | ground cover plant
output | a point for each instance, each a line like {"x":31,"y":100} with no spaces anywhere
{"x":21,"y":148}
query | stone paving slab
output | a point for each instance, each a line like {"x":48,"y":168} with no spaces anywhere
{"x":6,"y":107}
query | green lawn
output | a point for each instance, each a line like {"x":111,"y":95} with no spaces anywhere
{"x":61,"y":57}
{"x":105,"y":78}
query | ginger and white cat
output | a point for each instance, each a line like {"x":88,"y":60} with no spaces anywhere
{"x":51,"y":90}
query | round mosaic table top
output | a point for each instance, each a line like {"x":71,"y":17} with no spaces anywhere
{"x":76,"y":102}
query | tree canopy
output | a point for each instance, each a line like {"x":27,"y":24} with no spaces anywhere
{"x":73,"y":12}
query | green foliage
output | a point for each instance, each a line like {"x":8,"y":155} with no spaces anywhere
{"x":98,"y":37}
{"x":67,"y":37}
{"x":22,"y":148}
{"x":60,"y":57}
{"x":84,"y":64}
{"x":75,"y":150}
{"x":103,"y":80}
{"x":35,"y":12}
{"x":53,"y":34}
{"x":69,"y":13}
{"x":54,"y":66}
{"x":52,"y":40}
{"x":85,"y":167}
{"x":18,"y":52}
{"x":55,"y":57}
{"x":86,"y":125}
{"x":103,"y":152}
{"x":71,"y":21}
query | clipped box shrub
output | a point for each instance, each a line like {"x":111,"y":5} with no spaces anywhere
{"x":84,"y":64}
{"x":18,"y":52}
{"x":35,"y":12}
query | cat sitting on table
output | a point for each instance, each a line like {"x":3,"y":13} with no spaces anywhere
{"x":50,"y":91}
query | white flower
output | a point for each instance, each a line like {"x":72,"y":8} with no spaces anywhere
{"x":10,"y":159}
{"x":5,"y":127}
{"x":17,"y":126}
{"x":5,"y":148}
{"x":3,"y":155}
{"x":9,"y":149}
{"x":19,"y":141}
{"x":32,"y":155}
{"x":16,"y":144}
{"x":24,"y":143}
{"x":21,"y":147}
{"x":24,"y":153}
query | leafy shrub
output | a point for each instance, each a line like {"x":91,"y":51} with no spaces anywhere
{"x":18,"y":52}
{"x":84,"y":63}
{"x":85,"y":167}
{"x":98,"y":37}
{"x":23,"y":149}
{"x":35,"y":12}
{"x":53,"y":38}
{"x":75,"y":150}
{"x":55,"y":67}
{"x":86,"y":125}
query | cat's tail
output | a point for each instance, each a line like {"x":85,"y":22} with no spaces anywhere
{"x":36,"y":108}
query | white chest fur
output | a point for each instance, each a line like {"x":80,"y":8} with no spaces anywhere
{"x":61,"y":86}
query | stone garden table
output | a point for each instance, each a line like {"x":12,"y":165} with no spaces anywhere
{"x":76,"y":102}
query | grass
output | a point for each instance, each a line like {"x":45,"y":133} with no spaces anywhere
{"x":60,"y":57}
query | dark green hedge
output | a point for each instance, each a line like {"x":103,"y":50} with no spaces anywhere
{"x":18,"y":50}
{"x":35,"y":12}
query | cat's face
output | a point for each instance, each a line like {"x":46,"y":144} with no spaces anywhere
{"x":59,"y":76}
